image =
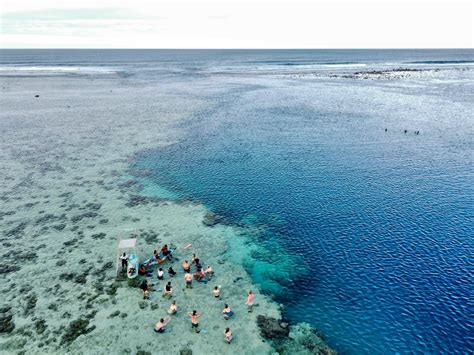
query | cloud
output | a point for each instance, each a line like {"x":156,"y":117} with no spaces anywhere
{"x":230,"y":24}
{"x":67,"y":14}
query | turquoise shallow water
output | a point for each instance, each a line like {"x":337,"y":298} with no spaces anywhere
{"x":377,"y":223}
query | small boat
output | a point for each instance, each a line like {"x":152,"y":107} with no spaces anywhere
{"x":160,"y":259}
{"x":128,"y":246}
{"x":132,"y":266}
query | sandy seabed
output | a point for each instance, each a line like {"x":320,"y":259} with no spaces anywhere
{"x":67,"y":193}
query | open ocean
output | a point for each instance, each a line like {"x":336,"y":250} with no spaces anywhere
{"x":327,"y":165}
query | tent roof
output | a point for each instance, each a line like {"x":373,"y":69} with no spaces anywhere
{"x":127,"y":243}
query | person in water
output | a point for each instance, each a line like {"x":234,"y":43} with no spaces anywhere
{"x":209,"y":272}
{"x":142,"y":270}
{"x":160,"y":274}
{"x":186,"y":266}
{"x":189,"y":280}
{"x":168,"y":290}
{"x":195,"y":260}
{"x":228,"y":335}
{"x":195,"y":320}
{"x":124,"y":259}
{"x":199,"y":275}
{"x":249,"y":302}
{"x":228,"y":312}
{"x":144,"y":287}
{"x":171,"y":272}
{"x":166,"y":252}
{"x":173,"y":308}
{"x":156,"y":256}
{"x":216,"y":292}
{"x":160,"y":326}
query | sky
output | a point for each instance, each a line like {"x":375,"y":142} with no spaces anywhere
{"x":232,"y":24}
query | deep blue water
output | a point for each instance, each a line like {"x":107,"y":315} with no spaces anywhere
{"x":383,"y":220}
{"x":378,"y":224}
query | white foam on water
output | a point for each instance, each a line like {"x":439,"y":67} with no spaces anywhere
{"x":341,"y":65}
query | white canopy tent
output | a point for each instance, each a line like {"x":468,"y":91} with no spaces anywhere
{"x":127,"y":243}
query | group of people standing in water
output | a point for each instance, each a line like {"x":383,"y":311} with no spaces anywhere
{"x":200,"y":274}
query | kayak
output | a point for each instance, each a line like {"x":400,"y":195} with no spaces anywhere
{"x":161,"y":258}
{"x":132,"y":266}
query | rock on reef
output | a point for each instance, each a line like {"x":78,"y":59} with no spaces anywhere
{"x":272,"y":328}
{"x":211,"y":219}
{"x":296,"y":339}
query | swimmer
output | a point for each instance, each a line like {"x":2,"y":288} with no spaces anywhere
{"x":160,"y":326}
{"x":209,"y":272}
{"x":195,"y":260}
{"x":228,"y":335}
{"x":216,"y":292}
{"x":173,"y":308}
{"x":186,"y":266}
{"x":144,"y":287}
{"x":249,"y":302}
{"x":142,"y":270}
{"x":160,"y":274}
{"x":227,"y":312}
{"x":189,"y":280}
{"x":171,"y":272}
{"x":199,"y":274}
{"x":168,"y":290}
{"x":195,"y":320}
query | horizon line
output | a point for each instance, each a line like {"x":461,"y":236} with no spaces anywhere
{"x":242,"y":48}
